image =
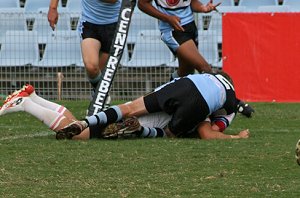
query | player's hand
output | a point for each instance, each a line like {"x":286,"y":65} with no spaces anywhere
{"x":174,"y":21}
{"x":210,"y":6}
{"x":52,"y":17}
{"x":244,"y":134}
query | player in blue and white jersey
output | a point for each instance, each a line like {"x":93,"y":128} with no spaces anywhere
{"x":179,"y":31}
{"x":180,"y":34}
{"x":170,"y":120}
{"x":96,"y":27}
{"x":189,"y":100}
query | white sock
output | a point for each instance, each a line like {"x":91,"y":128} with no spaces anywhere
{"x":47,"y":116}
{"x":47,"y":104}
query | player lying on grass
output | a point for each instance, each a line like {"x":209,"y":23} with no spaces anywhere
{"x":189,"y":100}
{"x":185,"y":113}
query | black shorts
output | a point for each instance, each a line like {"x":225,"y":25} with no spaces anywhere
{"x":103,"y":33}
{"x":175,"y":38}
{"x":183,"y":101}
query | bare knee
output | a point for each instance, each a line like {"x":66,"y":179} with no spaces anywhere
{"x":92,"y":69}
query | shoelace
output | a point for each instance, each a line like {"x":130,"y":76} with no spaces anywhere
{"x":16,"y":92}
{"x":9,"y":97}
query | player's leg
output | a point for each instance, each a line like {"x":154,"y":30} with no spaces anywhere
{"x":102,"y":63}
{"x":99,"y":121}
{"x":30,"y":90}
{"x":118,"y":112}
{"x":23,"y":102}
{"x":105,"y":37}
{"x":53,"y":119}
{"x":96,"y":44}
{"x":184,"y":46}
{"x":153,"y":125}
{"x":51,"y":105}
{"x":90,"y":48}
{"x":190,"y":59}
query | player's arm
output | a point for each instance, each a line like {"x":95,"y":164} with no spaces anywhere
{"x":197,"y":6}
{"x":147,"y":7}
{"x":206,"y":131}
{"x":220,"y":120}
{"x":52,"y":13}
{"x":214,"y":127}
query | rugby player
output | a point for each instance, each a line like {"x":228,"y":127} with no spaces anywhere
{"x":57,"y":117}
{"x":190,"y":100}
{"x":98,"y":22}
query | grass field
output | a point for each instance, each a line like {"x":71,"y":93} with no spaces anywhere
{"x":34,"y":164}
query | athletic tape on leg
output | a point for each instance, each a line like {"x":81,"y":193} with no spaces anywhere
{"x":115,"y":56}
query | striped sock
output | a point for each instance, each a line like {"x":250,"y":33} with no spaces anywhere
{"x":94,"y":81}
{"x":111,"y":115}
{"x":152,"y":132}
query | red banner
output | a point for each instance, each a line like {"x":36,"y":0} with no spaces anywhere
{"x":261,"y":51}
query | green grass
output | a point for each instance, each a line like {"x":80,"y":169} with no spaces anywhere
{"x":34,"y":164}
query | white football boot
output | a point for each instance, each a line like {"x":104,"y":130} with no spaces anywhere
{"x":14,"y":102}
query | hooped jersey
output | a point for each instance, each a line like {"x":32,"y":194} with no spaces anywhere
{"x":173,"y":4}
{"x":179,"y":8}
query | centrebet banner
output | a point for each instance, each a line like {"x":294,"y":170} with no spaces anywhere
{"x":115,"y":56}
{"x":261,"y":53}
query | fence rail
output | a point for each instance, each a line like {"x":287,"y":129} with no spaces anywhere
{"x":30,"y":52}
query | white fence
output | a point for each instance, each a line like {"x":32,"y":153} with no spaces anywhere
{"x":30,"y":52}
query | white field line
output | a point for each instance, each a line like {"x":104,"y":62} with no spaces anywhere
{"x":41,"y":134}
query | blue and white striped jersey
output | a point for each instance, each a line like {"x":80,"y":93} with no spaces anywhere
{"x":180,"y":8}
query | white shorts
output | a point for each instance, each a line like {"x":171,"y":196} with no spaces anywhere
{"x":159,"y":120}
